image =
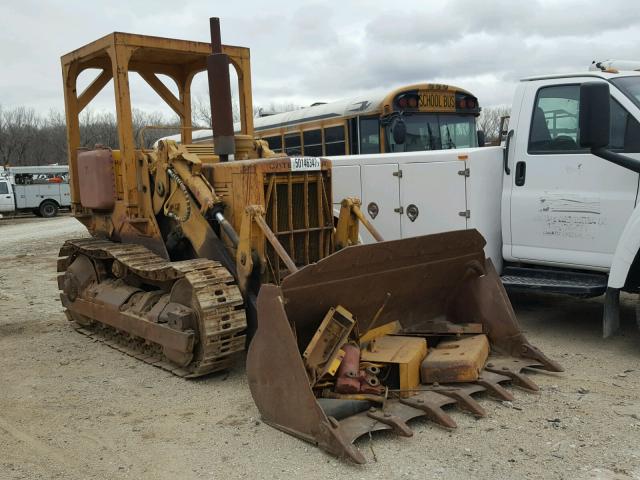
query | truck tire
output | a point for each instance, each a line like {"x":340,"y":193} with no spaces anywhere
{"x":48,"y":209}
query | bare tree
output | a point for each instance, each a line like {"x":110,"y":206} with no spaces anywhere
{"x":201,"y":111}
{"x":53,"y":148}
{"x":29,"y":139}
{"x":150,"y":126}
{"x":18,"y":128}
{"x":489,"y":122}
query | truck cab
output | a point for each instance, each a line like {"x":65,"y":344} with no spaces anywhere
{"x":569,"y":217}
{"x":7,"y":202}
{"x":562,"y":206}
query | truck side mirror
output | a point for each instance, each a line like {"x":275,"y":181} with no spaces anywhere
{"x":595,"y":120}
{"x":399,"y":131}
{"x":594,"y":115}
{"x":481,"y":139}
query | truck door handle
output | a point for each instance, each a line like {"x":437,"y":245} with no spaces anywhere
{"x":505,"y":153}
{"x":521,"y":173}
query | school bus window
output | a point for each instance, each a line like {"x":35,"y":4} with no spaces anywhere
{"x":457,"y":133}
{"x":334,"y":134}
{"x":275,"y":143}
{"x":369,"y":135}
{"x":353,"y":136}
{"x":334,"y":143}
{"x":312,"y":140}
{"x":292,"y":144}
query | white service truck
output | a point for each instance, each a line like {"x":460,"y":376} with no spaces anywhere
{"x":557,"y":208}
{"x":42,"y":190}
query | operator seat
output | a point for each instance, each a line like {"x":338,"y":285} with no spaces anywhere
{"x":540,"y":137}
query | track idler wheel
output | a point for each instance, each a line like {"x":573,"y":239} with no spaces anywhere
{"x":80,"y":274}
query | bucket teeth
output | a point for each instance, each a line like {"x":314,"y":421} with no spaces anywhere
{"x":431,"y":411}
{"x":429,"y":402}
{"x":491,"y":381}
{"x":517,"y":379}
{"x":397,"y":425}
{"x":464,"y":399}
{"x":529,"y":351}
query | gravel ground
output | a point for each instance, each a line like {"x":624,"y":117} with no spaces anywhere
{"x":72,"y":408}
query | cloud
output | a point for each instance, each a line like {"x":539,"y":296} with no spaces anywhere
{"x":309,"y":51}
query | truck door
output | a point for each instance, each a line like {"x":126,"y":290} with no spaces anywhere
{"x":6,"y":197}
{"x":381,"y":200}
{"x":567,"y":207}
{"x":432,"y":196}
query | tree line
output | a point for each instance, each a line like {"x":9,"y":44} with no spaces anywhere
{"x":489,"y":122}
{"x":30,"y":138}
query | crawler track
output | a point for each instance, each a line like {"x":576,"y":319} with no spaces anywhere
{"x":206,"y":287}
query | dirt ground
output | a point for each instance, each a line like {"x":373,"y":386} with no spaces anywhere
{"x":72,"y":408}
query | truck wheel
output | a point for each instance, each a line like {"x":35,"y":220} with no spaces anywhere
{"x":48,"y":209}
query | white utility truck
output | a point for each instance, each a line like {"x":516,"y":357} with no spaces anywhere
{"x":558,"y":211}
{"x":42,"y":190}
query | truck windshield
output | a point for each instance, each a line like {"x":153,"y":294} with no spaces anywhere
{"x":630,"y":86}
{"x":434,"y":132}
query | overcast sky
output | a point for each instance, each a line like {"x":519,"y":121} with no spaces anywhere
{"x":307,"y":51}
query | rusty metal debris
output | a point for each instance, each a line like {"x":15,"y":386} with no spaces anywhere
{"x":454,"y":361}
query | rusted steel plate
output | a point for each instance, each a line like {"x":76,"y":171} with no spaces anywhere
{"x":285,"y":400}
{"x":419,"y":273}
{"x":181,"y":341}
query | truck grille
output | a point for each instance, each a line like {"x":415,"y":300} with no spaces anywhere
{"x":298,"y":210}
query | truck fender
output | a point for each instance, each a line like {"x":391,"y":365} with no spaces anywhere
{"x":625,"y":252}
{"x":623,"y":258}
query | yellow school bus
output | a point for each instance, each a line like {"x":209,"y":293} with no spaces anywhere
{"x":412,"y":118}
{"x":425,"y":116}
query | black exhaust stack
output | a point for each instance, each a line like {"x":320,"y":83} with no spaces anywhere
{"x":220,"y":95}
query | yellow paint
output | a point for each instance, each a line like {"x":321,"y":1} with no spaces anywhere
{"x":434,"y":101}
{"x":405,"y":352}
{"x":382,"y":330}
{"x":335,"y":363}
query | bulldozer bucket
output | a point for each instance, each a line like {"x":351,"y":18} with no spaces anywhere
{"x":420,"y":282}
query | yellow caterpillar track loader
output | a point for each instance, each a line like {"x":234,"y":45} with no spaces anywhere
{"x":195,"y":249}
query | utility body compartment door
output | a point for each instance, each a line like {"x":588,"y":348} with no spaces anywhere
{"x":567,"y":206}
{"x":345,"y":183}
{"x":381,"y":200}
{"x":434,"y":191}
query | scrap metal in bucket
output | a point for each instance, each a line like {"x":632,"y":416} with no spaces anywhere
{"x":409,"y":305}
